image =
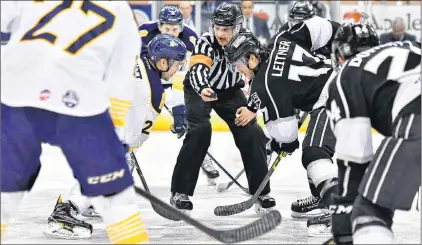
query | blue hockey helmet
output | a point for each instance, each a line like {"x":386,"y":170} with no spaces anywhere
{"x":170,"y":15}
{"x":166,"y":46}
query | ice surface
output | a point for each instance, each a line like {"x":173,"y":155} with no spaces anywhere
{"x":157,"y":158}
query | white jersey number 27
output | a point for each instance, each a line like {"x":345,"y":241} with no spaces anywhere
{"x":84,"y":38}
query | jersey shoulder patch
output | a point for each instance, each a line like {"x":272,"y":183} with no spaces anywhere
{"x":147,"y":28}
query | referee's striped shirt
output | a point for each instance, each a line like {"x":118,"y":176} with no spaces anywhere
{"x":209,"y":67}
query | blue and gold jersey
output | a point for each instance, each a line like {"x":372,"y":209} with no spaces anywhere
{"x":149,"y":30}
{"x":147,"y":73}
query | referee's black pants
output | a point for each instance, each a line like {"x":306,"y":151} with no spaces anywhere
{"x":250,"y":140}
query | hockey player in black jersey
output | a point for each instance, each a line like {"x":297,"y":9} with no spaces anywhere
{"x":304,"y":11}
{"x":377,"y":87}
{"x":286,"y":78}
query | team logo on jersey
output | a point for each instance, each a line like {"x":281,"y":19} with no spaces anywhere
{"x":45,"y":95}
{"x":70,"y":99}
{"x":254,"y":101}
{"x":192,"y":39}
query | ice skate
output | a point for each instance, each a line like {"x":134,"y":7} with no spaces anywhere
{"x":264,"y":204}
{"x":320,"y":225}
{"x":307,"y":207}
{"x":209,"y":171}
{"x":63,"y":224}
{"x":91,"y":213}
{"x":182,"y":203}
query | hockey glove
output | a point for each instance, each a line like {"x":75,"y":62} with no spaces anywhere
{"x":178,"y":127}
{"x":284,"y":147}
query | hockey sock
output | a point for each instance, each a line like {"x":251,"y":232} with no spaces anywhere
{"x":3,"y":229}
{"x":9,"y":204}
{"x":130,"y":230}
{"x":121,"y":217}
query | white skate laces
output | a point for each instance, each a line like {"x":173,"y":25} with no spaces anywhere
{"x":307,"y":201}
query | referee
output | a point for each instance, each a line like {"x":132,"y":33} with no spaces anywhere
{"x":212,"y":84}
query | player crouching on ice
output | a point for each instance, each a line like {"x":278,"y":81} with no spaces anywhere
{"x":170,"y":21}
{"x":166,"y":56}
{"x":378,"y":86}
{"x":280,"y":86}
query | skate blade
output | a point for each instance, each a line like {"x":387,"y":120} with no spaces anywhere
{"x":261,"y":210}
{"x":319,"y":231}
{"x":307,"y":215}
{"x":55,"y":230}
{"x":88,"y":214}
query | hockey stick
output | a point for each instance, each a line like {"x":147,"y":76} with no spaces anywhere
{"x":246,"y":190}
{"x":245,"y":205}
{"x":158,"y":210}
{"x":222,"y":187}
{"x":257,"y":228}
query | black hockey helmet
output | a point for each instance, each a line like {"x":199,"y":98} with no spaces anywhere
{"x":227,"y":14}
{"x":352,"y":38}
{"x":241,"y":46}
{"x":301,"y":10}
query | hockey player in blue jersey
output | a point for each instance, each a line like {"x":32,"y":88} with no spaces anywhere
{"x":166,"y":55}
{"x":170,"y":21}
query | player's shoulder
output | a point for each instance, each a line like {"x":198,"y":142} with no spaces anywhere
{"x":147,"y":28}
{"x":150,"y":71}
{"x":360,"y":59}
{"x":348,"y":75}
{"x":189,"y":37}
{"x":188,"y":31}
{"x":206,"y":38}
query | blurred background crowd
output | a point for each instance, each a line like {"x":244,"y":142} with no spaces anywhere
{"x":394,"y":20}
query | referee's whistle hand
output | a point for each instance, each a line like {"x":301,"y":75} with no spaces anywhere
{"x":206,"y":95}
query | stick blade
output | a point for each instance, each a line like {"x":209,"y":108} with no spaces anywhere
{"x":231,"y":209}
{"x":265,"y":224}
{"x":161,"y":211}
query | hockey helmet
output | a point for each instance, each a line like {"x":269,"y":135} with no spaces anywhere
{"x":352,"y":38}
{"x":167,"y":46}
{"x":301,"y":10}
{"x":170,"y":15}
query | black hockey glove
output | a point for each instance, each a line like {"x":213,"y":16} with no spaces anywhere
{"x":179,"y":126}
{"x":284,"y":147}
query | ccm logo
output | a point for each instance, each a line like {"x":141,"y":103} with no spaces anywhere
{"x":341,"y":209}
{"x":106,"y":177}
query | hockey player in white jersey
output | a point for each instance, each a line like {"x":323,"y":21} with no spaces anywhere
{"x":166,"y":56}
{"x":67,"y":80}
{"x":170,"y":21}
